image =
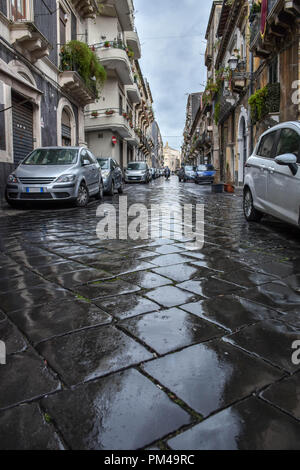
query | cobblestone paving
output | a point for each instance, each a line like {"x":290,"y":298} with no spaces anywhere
{"x":137,"y":344}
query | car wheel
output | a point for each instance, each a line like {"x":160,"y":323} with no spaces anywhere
{"x":251,"y":214}
{"x":111,"y":192}
{"x":82,"y":196}
{"x":121,"y":188}
{"x":99,"y":195}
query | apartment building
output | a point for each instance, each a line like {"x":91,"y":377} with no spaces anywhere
{"x":119,"y":124}
{"x":42,"y":89}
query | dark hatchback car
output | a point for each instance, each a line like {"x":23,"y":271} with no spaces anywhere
{"x":205,"y":174}
{"x":112,"y":175}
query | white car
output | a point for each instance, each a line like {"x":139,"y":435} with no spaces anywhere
{"x":272,"y":175}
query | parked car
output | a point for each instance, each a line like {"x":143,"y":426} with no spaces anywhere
{"x":189,"y":173}
{"x":272,"y":176}
{"x":112,"y":175}
{"x":56,"y":174}
{"x":138,"y":172}
{"x":205,"y":174}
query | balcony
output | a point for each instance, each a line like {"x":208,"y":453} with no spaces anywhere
{"x":72,"y":84}
{"x":132,"y":40}
{"x":113,"y":56}
{"x":99,"y":120}
{"x":28,"y":40}
{"x":208,"y":56}
{"x":86,"y":8}
{"x":124,"y":10}
{"x":133,"y":93}
{"x":282,"y":14}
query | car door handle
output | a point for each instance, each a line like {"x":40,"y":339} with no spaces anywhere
{"x":271,"y":170}
{"x":263,"y":168}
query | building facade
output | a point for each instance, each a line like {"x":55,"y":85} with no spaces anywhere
{"x":42,"y":98}
{"x":253,"y":81}
{"x":172,"y":158}
{"x":119,"y":124}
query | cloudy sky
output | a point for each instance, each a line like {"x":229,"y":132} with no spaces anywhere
{"x":172,"y":34}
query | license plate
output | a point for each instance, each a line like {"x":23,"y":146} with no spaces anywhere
{"x":36,"y":190}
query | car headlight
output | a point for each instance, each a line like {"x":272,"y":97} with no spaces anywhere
{"x":66,"y":179}
{"x":105,"y":173}
{"x":12,"y":179}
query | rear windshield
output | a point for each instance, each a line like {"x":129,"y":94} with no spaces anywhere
{"x":137,"y":166}
{"x":201,"y":167}
{"x":52,"y":157}
{"x":103,"y":163}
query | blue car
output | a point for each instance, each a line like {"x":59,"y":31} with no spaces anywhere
{"x":205,"y":174}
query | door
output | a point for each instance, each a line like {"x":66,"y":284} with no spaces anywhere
{"x":22,"y":121}
{"x":259,"y":168}
{"x":283,"y":188}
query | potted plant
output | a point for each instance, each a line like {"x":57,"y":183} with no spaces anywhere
{"x":107,"y":44}
{"x":109,"y":112}
{"x":229,"y":187}
{"x":125,"y":115}
{"x":95,"y":114}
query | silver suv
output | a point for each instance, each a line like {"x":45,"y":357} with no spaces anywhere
{"x":272,"y":176}
{"x":56,"y":173}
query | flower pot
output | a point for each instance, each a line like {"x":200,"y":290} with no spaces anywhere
{"x":109,"y":113}
{"x":228,"y":188}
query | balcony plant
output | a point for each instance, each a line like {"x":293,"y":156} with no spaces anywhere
{"x":109,"y":112}
{"x":78,"y":57}
{"x":94,"y":114}
{"x":107,"y":44}
{"x":264,"y":101}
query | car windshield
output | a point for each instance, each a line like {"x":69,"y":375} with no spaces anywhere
{"x":52,"y":157}
{"x":137,"y":166}
{"x":189,"y":168}
{"x":103,"y":163}
{"x":201,"y":167}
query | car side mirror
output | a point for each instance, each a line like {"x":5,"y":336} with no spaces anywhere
{"x":85,"y":162}
{"x":288,"y":159}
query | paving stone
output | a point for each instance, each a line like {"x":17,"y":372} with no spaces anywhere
{"x":184,"y":272}
{"x":33,"y":297}
{"x":56,"y":270}
{"x":211,"y":287}
{"x":167,"y":249}
{"x":25,"y":428}
{"x":271,"y":340}
{"x":12,"y":338}
{"x":127,"y":306}
{"x":276,"y":295}
{"x":41,"y":323}
{"x":77,"y":278}
{"x":12,"y":272}
{"x":169,"y":260}
{"x":172,"y":329}
{"x":220,"y":263}
{"x":102,"y":289}
{"x":170,"y":296}
{"x":89,"y":354}
{"x":211,"y":376}
{"x":246,"y":278}
{"x":238,"y":428}
{"x":292,"y":318}
{"x":110,"y":414}
{"x":21,"y":283}
{"x":25,"y":377}
{"x":146,"y":279}
{"x":286,"y":395}
{"x":230,"y":312}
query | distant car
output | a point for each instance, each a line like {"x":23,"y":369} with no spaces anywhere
{"x":272,"y":175}
{"x":189,"y":173}
{"x":205,"y":174}
{"x":56,"y":174}
{"x":112,"y":175}
{"x":137,"y":172}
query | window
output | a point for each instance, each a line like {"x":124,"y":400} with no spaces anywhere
{"x":289,"y":142}
{"x":62,"y":26}
{"x":266,"y":146}
{"x":18,"y":9}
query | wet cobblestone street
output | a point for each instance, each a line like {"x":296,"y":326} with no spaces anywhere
{"x":119,"y":344}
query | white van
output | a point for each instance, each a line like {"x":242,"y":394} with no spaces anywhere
{"x":272,"y":175}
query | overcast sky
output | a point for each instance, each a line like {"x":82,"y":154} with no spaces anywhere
{"x":172,"y":35}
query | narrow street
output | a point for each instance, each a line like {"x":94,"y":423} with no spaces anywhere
{"x":145,"y":344}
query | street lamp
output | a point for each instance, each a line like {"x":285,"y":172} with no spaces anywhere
{"x":233,"y":62}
